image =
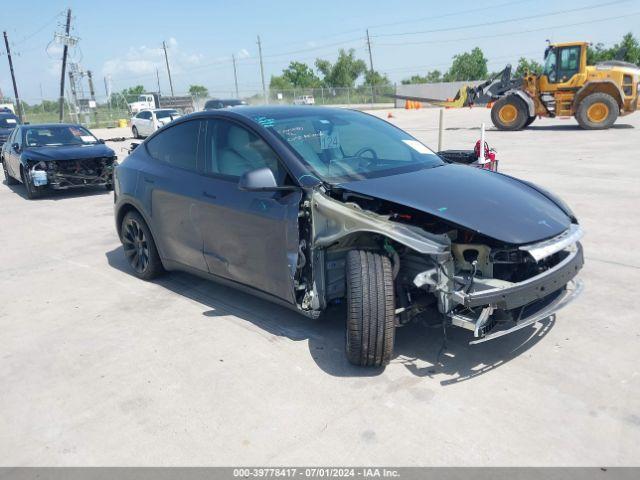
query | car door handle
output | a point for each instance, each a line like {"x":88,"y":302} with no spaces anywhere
{"x":209,"y":195}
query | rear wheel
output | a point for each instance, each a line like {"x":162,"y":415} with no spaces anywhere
{"x":139,"y":247}
{"x":597,"y":111}
{"x":509,"y":113}
{"x":8,"y":178}
{"x":370,"y":309}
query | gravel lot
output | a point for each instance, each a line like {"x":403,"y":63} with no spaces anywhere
{"x":99,"y":368}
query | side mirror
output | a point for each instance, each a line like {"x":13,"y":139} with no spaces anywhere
{"x":261,"y":180}
{"x":133,"y":146}
{"x":101,"y":140}
{"x":16,"y":147}
{"x":258,"y":180}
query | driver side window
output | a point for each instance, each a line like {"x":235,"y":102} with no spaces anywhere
{"x":569,"y":63}
{"x":232,"y":150}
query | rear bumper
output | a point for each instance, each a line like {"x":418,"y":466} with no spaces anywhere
{"x":528,"y":291}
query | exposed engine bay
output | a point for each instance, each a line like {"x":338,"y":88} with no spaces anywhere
{"x":471,"y":281}
{"x":65,"y":174}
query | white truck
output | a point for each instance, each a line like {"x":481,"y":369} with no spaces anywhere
{"x":150,"y":101}
{"x":7,"y":106}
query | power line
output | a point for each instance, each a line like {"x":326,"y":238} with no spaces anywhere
{"x":497,"y":22}
{"x":517,"y":32}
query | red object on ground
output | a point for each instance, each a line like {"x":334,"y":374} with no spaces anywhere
{"x":490,"y":162}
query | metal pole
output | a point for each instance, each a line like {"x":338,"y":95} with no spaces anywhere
{"x":158,"y":80}
{"x":92,"y":92}
{"x":74,"y":95}
{"x":235,"y":75}
{"x":373,"y":95}
{"x":440,"y":129}
{"x":166,"y":58}
{"x":65,"y":51}
{"x":264,"y":88}
{"x":13,"y":77}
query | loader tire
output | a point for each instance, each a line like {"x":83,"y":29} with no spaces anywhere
{"x":370,"y":325}
{"x":597,"y":111}
{"x":529,"y":121}
{"x":509,"y":113}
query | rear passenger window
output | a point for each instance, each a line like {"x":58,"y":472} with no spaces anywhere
{"x":177,"y":146}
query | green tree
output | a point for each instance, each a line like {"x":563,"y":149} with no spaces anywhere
{"x":525,"y":66}
{"x":371,"y":77}
{"x":627,"y":50}
{"x":198,"y":91}
{"x":467,"y":66}
{"x":137,"y":90}
{"x":301,"y":75}
{"x":344,"y":72}
{"x":433,"y":76}
{"x":280,"y":82}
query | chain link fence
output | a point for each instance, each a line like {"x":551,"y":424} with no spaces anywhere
{"x":108,"y":111}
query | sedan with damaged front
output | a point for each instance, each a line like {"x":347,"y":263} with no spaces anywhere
{"x":56,"y":156}
{"x":313,"y":206}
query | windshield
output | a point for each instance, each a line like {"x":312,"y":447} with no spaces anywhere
{"x":167,"y":114}
{"x":346,"y":146}
{"x":58,"y":135}
{"x":8,"y":121}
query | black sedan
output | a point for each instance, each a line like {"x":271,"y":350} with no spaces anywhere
{"x":56,"y":156}
{"x":311,"y":206}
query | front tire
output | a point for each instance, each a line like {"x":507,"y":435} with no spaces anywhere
{"x":135,"y":132}
{"x":509,"y":113}
{"x":529,"y":121}
{"x":8,"y":178}
{"x":597,"y":111}
{"x":139,"y":247}
{"x":32,"y":190}
{"x":370,"y":309}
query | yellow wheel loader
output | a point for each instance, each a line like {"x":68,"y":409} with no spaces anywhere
{"x":567,"y":87}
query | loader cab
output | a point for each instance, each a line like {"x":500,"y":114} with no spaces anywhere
{"x":564,"y":66}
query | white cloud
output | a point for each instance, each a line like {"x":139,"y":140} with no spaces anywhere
{"x":243,"y":53}
{"x":144,"y":60}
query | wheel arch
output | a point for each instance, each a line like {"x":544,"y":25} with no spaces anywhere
{"x":528,"y":101}
{"x":598,"y":86}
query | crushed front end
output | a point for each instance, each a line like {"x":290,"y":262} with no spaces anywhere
{"x":66,"y":174}
{"x":493,"y":291}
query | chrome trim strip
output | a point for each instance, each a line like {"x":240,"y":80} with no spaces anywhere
{"x":574,"y":288}
{"x":545,"y":248}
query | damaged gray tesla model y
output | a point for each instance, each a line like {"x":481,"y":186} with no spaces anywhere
{"x":310,"y":206}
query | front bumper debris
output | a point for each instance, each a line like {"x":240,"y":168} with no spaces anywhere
{"x":527,"y":291}
{"x":570,"y":293}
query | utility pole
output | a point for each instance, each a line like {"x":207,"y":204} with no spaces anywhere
{"x":166,"y":58}
{"x":158,"y":80}
{"x":65,"y":51}
{"x":235,"y":75}
{"x":264,"y":88}
{"x":373,"y":93}
{"x":92,"y":92}
{"x":13,"y":77}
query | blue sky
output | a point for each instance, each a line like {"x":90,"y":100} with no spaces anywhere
{"x":123,"y":39}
